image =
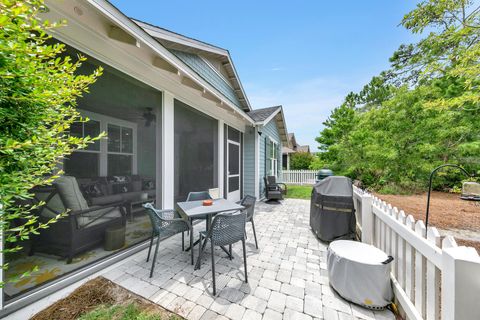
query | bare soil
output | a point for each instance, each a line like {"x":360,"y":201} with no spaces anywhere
{"x":447,"y":212}
{"x":93,"y":294}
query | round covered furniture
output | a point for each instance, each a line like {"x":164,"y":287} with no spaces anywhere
{"x":360,"y":273}
{"x":332,"y":214}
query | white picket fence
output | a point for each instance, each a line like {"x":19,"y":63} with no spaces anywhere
{"x":299,"y":176}
{"x":432,"y":278}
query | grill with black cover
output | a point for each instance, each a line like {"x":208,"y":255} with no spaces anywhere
{"x":332,"y":214}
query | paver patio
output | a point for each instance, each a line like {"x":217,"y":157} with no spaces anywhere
{"x":287,"y":274}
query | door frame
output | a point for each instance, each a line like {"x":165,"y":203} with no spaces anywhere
{"x":235,"y":195}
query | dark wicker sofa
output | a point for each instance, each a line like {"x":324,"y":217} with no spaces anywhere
{"x":81,"y":229}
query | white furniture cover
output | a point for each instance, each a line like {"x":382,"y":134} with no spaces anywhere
{"x":360,"y":273}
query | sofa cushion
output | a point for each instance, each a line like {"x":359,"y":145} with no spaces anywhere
{"x":121,"y":188}
{"x":98,"y":217}
{"x":92,"y":190}
{"x":69,"y":191}
{"x":148,"y":184}
{"x":53,"y":207}
{"x":137,"y":185}
{"x":100,"y":201}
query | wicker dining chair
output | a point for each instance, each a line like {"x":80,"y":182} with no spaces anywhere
{"x":226,"y":229}
{"x":165,"y":223}
{"x":199,"y":195}
{"x":249,"y":203}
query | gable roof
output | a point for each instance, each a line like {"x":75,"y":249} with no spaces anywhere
{"x":305,"y":148}
{"x":260,"y":115}
{"x":176,"y":43}
{"x":293,"y":146}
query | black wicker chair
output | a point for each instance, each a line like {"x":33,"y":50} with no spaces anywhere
{"x":249,"y":203}
{"x":165,"y":223}
{"x":274,"y":190}
{"x":226,"y":229}
{"x":80,"y":229}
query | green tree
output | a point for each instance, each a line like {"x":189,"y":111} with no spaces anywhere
{"x":450,"y":50}
{"x":38,"y":90}
{"x":336,"y":129}
{"x":301,"y":160}
{"x":422,"y":113}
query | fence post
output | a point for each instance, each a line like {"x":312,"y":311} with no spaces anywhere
{"x":460,"y":283}
{"x":367,"y":219}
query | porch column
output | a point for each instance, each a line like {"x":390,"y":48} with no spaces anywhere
{"x":257,"y":163}
{"x":221,"y":151}
{"x":168,"y":151}
{"x":288,"y":161}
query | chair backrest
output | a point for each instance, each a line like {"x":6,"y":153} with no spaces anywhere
{"x":201,"y":195}
{"x":157,"y":216}
{"x":70,"y":193}
{"x":272,"y":180}
{"x":249,"y":203}
{"x":154,"y":218}
{"x":228,"y":228}
{"x":214,"y":193}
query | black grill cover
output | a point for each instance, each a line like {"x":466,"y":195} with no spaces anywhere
{"x":332,"y":215}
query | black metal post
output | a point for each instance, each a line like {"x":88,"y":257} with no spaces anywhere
{"x":430,"y":185}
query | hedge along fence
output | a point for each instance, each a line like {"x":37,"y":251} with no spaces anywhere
{"x":432,"y":278}
{"x":299,"y":176}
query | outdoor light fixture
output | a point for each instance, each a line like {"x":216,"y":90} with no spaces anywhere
{"x":430,"y":185}
{"x":259,"y":130}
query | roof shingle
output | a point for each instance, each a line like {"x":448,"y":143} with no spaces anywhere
{"x":260,"y":115}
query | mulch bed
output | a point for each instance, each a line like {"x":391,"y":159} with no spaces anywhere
{"x":447,"y":211}
{"x":95,"y":293}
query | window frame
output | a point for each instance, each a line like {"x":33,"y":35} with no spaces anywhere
{"x":103,"y":152}
{"x":273,"y":157}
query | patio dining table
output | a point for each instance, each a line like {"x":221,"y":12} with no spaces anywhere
{"x":195,"y":209}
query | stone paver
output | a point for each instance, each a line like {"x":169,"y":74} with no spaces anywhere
{"x":294,"y":303}
{"x":277,"y":301}
{"x":287,"y":274}
{"x":235,"y":312}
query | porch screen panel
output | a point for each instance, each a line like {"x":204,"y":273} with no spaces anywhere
{"x":105,"y":185}
{"x":196,"y":151}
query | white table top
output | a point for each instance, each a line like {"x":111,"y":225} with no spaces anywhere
{"x":196,"y":208}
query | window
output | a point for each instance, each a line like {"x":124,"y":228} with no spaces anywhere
{"x":113,"y":156}
{"x":84,"y":163}
{"x":120,"y":150}
{"x":272,"y":158}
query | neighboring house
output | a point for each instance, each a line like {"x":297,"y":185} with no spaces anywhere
{"x":291,"y":148}
{"x":177,"y":120}
{"x":268,"y":139}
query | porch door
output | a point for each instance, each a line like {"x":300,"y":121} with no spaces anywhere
{"x":233,"y":170}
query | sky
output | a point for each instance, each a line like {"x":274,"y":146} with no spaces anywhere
{"x":304,"y":55}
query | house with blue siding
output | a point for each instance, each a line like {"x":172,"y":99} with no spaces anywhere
{"x":266,"y":141}
{"x":176,"y":119}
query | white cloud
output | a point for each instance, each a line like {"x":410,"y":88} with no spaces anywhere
{"x":306,"y":104}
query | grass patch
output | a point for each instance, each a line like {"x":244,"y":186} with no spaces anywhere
{"x":101,"y":299}
{"x":299,"y":192}
{"x":131,"y":311}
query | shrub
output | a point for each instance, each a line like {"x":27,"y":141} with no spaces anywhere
{"x":38,"y":90}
